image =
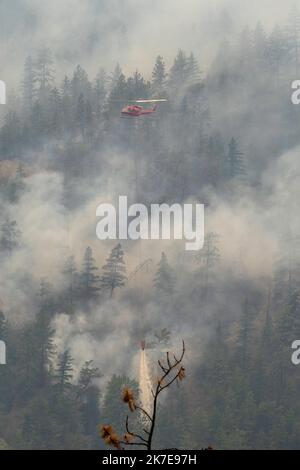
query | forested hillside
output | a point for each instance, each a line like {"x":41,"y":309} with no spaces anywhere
{"x":74,"y":309}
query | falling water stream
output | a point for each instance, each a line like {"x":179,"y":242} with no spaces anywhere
{"x":145,"y":383}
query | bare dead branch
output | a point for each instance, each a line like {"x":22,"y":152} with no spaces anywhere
{"x":169,"y":383}
{"x":133,"y":434}
{"x":168,"y":360}
{"x":144,"y":411}
{"x":170,"y":369}
{"x":162,"y":367}
{"x":161,"y":385}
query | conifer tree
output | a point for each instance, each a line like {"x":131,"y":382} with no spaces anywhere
{"x":192,"y":69}
{"x":89,"y":279}
{"x":87,"y":374}
{"x":114,"y":270}
{"x":28,"y":84}
{"x":43,"y":337}
{"x":64,"y":371}
{"x":100,"y":91}
{"x":293,"y":37}
{"x":209,"y":258}
{"x":44,"y":73}
{"x":179,"y":72}
{"x":159,"y":78}
{"x":164,"y":280}
{"x":71,"y":275}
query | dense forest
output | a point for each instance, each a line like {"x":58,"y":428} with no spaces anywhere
{"x":74,"y":309}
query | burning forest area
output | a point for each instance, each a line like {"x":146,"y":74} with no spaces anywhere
{"x":149,"y":225}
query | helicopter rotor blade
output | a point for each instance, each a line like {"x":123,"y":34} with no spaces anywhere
{"x":151,"y":101}
{"x":139,"y":101}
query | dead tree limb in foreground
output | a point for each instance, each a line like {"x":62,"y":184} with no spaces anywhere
{"x":172,"y":370}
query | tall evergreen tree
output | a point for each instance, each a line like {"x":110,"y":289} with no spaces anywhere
{"x":80,"y":85}
{"x":87,"y":374}
{"x":179,"y":72}
{"x":64,"y":371}
{"x":43,"y":337}
{"x":28,"y":84}
{"x":192,"y":69}
{"x":164,"y":280}
{"x":44,"y":73}
{"x":71,"y":279}
{"x":293,"y":37}
{"x":81,"y":115}
{"x":89,"y":279}
{"x":276,"y":53}
{"x":209,"y":258}
{"x":100,"y":92}
{"x":159,"y":78}
{"x":114,"y":270}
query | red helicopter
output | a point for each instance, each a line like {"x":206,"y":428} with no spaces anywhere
{"x":135,"y":110}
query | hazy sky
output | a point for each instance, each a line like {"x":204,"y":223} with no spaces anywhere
{"x":133,"y":32}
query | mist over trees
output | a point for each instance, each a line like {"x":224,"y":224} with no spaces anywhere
{"x":72,"y":327}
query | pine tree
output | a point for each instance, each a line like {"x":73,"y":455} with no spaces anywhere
{"x":114,"y":270}
{"x":89,"y":279}
{"x":293,"y":37}
{"x":64,"y":371}
{"x":89,"y":121}
{"x":179,"y":72}
{"x":100,"y":91}
{"x":164,"y":280}
{"x":80,"y":115}
{"x":137,"y":87}
{"x":71,"y":277}
{"x":80,"y":84}
{"x":209,"y":258}
{"x":115,"y":77}
{"x":55,"y":113}
{"x":28,"y":84}
{"x":120,"y":89}
{"x":159,"y":78}
{"x":66,"y":105}
{"x":44,"y":73}
{"x":43,"y":338}
{"x":192,"y":69}
{"x":87,"y":374}
{"x":276,"y":52}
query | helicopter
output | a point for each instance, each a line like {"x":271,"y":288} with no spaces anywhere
{"x":135,"y":110}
